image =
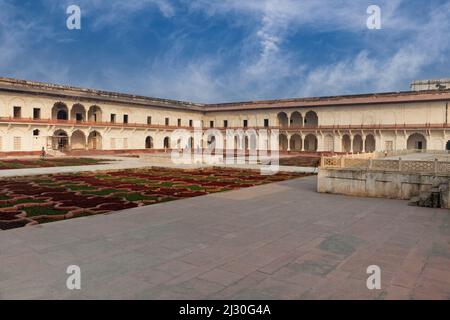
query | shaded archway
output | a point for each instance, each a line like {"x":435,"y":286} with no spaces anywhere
{"x":78,"y":140}
{"x":328,"y":143}
{"x":78,"y":113}
{"x":60,"y":140}
{"x":296,"y":120}
{"x":149,"y":143}
{"x":251,"y":140}
{"x":283,"y":142}
{"x":166,"y":143}
{"x":310,"y":143}
{"x":237,"y":143}
{"x":417,"y":141}
{"x":246,"y":143}
{"x":95,"y":114}
{"x":211,"y":143}
{"x":357,"y":143}
{"x":447,"y":147}
{"x":283,"y":120}
{"x":296,"y":143}
{"x":95,"y":141}
{"x":346,"y":143}
{"x":370,"y":143}
{"x":60,"y":111}
{"x":311,"y":119}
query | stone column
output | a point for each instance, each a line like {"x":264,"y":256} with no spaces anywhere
{"x":320,"y":142}
{"x":351,"y":144}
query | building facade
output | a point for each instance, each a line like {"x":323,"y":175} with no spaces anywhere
{"x":36,"y":115}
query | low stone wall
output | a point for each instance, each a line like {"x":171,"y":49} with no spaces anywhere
{"x":392,"y":185}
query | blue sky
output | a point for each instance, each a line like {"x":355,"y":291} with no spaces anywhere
{"x":226,"y":50}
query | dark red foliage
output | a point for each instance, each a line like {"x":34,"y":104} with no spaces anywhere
{"x":5,"y":225}
{"x":191,"y":194}
{"x":9,"y":215}
{"x":117,"y":206}
{"x":89,"y":202}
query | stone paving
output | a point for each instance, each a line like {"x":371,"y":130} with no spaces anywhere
{"x":277,"y":241}
{"x":122,"y":163}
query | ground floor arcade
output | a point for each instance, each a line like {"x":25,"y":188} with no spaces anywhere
{"x":66,"y":138}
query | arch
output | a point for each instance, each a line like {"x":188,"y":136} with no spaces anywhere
{"x":346,"y":143}
{"x":370,"y":143}
{"x":311,"y":119}
{"x":246,"y":143}
{"x":166,"y":143}
{"x":416,"y":141}
{"x":283,"y":120}
{"x":60,"y":140}
{"x":78,"y":112}
{"x":94,"y":140}
{"x":240,"y":141}
{"x":78,"y":140}
{"x":296,"y":120}
{"x":283,"y":142}
{"x":237,"y":143}
{"x":211,"y":143}
{"x":149,"y":142}
{"x":296,"y":142}
{"x":328,"y":142}
{"x":447,"y":146}
{"x":251,"y":140}
{"x":60,"y":111}
{"x":310,"y":142}
{"x":95,"y":114}
{"x":357,"y":143}
{"x":178,"y":144}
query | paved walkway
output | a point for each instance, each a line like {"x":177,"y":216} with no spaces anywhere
{"x":277,"y":241}
{"x":121,"y":163}
{"x":118,"y":164}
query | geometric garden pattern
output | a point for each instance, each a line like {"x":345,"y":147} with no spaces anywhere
{"x":47,"y":198}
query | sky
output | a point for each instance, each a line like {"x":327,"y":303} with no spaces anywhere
{"x":210,"y":51}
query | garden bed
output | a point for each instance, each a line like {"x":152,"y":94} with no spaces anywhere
{"x":6,"y":164}
{"x":47,"y":198}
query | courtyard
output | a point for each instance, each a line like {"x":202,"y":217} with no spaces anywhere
{"x":8,"y":164}
{"x":48,"y":198}
{"x":274,"y":241}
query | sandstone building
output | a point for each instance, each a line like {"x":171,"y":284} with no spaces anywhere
{"x":35,"y":115}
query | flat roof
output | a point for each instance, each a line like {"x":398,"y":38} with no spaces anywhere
{"x":79,"y":94}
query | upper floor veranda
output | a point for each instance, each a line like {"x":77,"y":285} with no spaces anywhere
{"x":23,"y":102}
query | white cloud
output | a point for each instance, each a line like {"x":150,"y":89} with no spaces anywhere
{"x":426,"y":47}
{"x":267,"y":66}
{"x":110,"y":13}
{"x":19,"y":36}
